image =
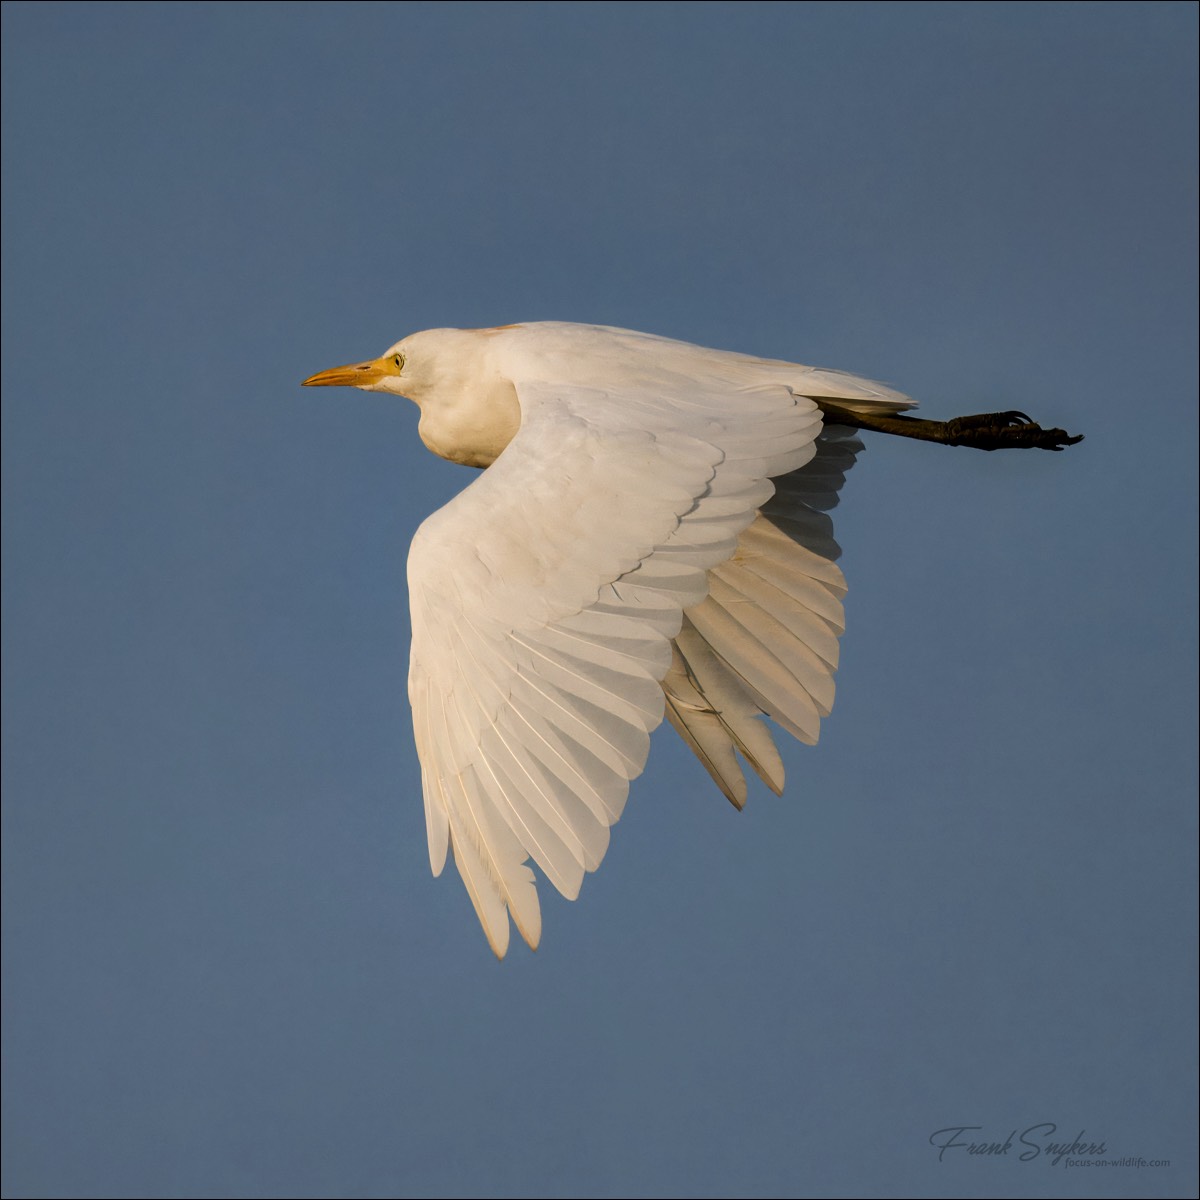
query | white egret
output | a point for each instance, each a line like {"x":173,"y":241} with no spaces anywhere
{"x":649,"y":538}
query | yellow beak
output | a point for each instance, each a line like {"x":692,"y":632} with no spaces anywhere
{"x":361,"y":374}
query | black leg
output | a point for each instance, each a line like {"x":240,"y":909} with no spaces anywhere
{"x":984,"y":431}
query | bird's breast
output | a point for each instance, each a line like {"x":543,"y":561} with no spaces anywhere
{"x":471,"y":427}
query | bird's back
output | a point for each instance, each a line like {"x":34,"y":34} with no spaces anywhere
{"x":609,"y":358}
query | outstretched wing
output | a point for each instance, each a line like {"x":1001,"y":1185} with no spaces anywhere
{"x":545,"y":601}
{"x":764,"y":641}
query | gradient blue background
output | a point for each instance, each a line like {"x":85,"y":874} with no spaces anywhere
{"x":228,"y":970}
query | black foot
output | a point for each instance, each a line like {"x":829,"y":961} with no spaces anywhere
{"x":1006,"y":430}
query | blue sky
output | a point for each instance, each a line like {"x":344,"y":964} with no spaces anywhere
{"x":228,"y":972}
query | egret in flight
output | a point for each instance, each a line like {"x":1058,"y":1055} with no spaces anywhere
{"x":648,"y":538}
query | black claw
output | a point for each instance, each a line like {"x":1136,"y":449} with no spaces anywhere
{"x":1012,"y":429}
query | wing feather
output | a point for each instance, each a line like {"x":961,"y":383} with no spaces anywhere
{"x":576,"y":591}
{"x":781,"y":592}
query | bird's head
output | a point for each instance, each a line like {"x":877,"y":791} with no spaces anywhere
{"x":436,"y":364}
{"x":469,"y":408}
{"x":383,"y":374}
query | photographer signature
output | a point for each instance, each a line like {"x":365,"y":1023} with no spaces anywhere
{"x":1030,"y":1144}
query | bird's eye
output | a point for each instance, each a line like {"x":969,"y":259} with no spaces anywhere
{"x":398,"y":359}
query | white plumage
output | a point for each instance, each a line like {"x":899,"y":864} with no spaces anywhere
{"x":649,"y":537}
